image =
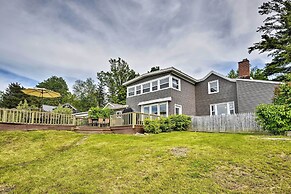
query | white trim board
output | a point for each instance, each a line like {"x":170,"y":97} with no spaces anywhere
{"x":155,"y":101}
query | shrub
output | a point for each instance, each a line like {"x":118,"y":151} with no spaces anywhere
{"x":180,"y":122}
{"x":152,"y":126}
{"x":274,"y":118}
{"x":167,"y":124}
{"x":97,"y":112}
{"x":62,"y":110}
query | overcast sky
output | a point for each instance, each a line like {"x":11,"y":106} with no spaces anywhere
{"x":75,"y":39}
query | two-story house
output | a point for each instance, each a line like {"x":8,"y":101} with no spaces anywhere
{"x":170,"y":91}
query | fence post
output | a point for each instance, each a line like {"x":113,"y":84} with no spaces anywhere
{"x":133,"y":119}
{"x":74,"y":120}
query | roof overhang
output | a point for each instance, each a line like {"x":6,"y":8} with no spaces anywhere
{"x":171,"y":70}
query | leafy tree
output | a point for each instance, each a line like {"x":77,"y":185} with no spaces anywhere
{"x":57,"y":84}
{"x":232,"y":74}
{"x":255,"y":73}
{"x":115,"y":78}
{"x":88,"y":94}
{"x":282,"y":94}
{"x":276,"y":36}
{"x":12,"y":96}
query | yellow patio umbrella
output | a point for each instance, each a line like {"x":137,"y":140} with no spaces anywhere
{"x":41,"y":93}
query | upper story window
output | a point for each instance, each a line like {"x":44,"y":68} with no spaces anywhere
{"x":175,"y":83}
{"x":164,"y":83}
{"x":138,"y":89}
{"x":155,"y":85}
{"x":146,"y":88}
{"x":213,"y":87}
{"x":131,"y":91}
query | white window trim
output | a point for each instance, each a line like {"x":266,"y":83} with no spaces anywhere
{"x":179,"y":83}
{"x":209,"y":91}
{"x":160,"y":100}
{"x":178,"y":106}
{"x":158,"y":107}
{"x":150,"y":82}
{"x":228,"y":109}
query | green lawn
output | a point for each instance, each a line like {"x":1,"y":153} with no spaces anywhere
{"x":178,"y":162}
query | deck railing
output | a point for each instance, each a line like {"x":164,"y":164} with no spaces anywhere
{"x":35,"y":117}
{"x":132,"y":118}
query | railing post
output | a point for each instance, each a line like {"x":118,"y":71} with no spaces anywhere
{"x":133,"y":119}
{"x":4,"y":115}
{"x":74,"y":120}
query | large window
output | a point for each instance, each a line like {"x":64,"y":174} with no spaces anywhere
{"x":146,"y":88}
{"x":213,"y":87}
{"x":222,"y":108}
{"x":164,"y":83}
{"x":158,"y":109}
{"x":154,"y":85}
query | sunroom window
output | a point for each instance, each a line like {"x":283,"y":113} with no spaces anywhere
{"x":164,"y":83}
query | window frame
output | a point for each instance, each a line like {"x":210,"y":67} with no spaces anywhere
{"x":209,"y":88}
{"x":179,"y":107}
{"x":170,"y":86}
{"x":227,"y":105}
{"x":158,"y":108}
{"x":165,"y":82}
{"x":132,"y":87}
{"x":146,"y":88}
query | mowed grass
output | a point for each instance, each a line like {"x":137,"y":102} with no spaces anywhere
{"x":179,"y":162}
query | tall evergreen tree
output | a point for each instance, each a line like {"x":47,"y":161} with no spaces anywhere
{"x":114,"y":79}
{"x":276,"y":36}
{"x":12,"y":96}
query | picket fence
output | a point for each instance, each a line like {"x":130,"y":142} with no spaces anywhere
{"x":236,"y":123}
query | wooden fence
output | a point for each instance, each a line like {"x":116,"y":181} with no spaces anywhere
{"x":35,"y":117}
{"x":132,"y":118}
{"x":236,"y":123}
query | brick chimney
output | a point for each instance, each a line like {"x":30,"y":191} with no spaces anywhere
{"x":244,"y":69}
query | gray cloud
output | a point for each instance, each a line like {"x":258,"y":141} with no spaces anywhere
{"x":75,"y":39}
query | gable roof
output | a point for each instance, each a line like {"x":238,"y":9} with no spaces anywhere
{"x":172,"y":70}
{"x":115,"y":106}
{"x":217,"y":74}
{"x":237,"y":79}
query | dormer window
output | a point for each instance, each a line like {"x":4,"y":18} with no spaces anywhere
{"x":164,"y":83}
{"x":213,"y":87}
{"x":131,"y":91}
{"x":146,"y":88}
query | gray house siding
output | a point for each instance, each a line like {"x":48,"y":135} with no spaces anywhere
{"x":185,"y":97}
{"x":250,"y":94}
{"x":227,"y":93}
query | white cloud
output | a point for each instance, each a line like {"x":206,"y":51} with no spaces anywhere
{"x":75,"y":40}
